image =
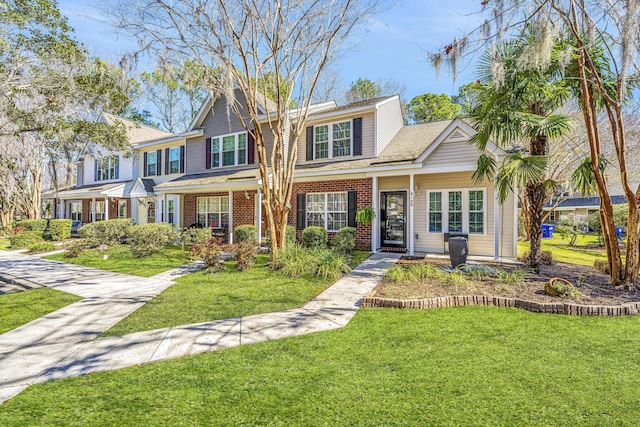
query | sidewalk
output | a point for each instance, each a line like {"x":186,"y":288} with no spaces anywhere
{"x":63,"y":343}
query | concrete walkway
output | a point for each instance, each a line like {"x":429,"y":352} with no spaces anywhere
{"x":63,"y":343}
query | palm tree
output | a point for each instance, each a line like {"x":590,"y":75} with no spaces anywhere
{"x":516,"y":97}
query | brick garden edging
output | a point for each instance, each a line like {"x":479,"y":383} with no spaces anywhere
{"x":536,"y":307}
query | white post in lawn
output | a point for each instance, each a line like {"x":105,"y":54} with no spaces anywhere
{"x":411,"y":197}
{"x":259,"y":215}
{"x":496,"y":225}
{"x":374,"y":204}
{"x":230,"y":217}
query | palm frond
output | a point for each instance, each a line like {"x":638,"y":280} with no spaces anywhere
{"x":486,"y":168}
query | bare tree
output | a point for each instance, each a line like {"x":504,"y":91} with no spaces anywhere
{"x":241,"y":43}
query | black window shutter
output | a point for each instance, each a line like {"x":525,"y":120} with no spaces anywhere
{"x":251,"y":149}
{"x":357,"y":136}
{"x":207,"y":145}
{"x":182,"y":159}
{"x":309,"y":142}
{"x":352,"y":207}
{"x":159,"y":162}
{"x":167,"y":169}
{"x":301,"y":211}
{"x":144,"y":164}
{"x":95,"y":170}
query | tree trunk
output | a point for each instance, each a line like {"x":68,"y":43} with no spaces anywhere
{"x":536,"y":196}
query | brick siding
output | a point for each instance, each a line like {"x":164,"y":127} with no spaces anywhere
{"x":86,"y":211}
{"x":362,"y":185}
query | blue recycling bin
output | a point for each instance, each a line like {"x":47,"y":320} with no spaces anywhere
{"x":547,"y":231}
{"x":619,"y":231}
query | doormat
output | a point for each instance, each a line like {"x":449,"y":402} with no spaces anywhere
{"x":393,"y":249}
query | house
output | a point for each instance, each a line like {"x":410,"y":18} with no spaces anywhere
{"x":577,"y":209}
{"x":417,"y":178}
{"x":103,"y":179}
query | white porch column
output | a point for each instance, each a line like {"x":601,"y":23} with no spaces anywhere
{"x":230,"y":217}
{"x":411,"y":187}
{"x":93,"y":209}
{"x":375,"y":225}
{"x":106,"y":207}
{"x":259,"y":216}
{"x":61,"y":210}
{"x":496,"y":225}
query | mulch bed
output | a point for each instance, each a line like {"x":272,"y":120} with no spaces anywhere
{"x":593,"y":286}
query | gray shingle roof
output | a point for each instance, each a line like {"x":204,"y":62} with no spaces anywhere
{"x":137,"y":133}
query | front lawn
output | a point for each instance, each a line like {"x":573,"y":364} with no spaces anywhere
{"x":200,"y":297}
{"x":19,"y":308}
{"x":121,"y":260}
{"x":578,"y":254}
{"x":458,"y":366}
{"x":5,"y":243}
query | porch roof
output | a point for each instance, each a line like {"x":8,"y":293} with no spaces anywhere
{"x":209,"y":178}
{"x":87,"y":190}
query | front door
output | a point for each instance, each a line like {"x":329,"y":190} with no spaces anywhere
{"x":393,"y":219}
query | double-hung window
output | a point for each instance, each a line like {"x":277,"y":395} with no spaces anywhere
{"x":456,"y":211}
{"x":213,"y":211}
{"x":332,"y":140}
{"x":174,"y":160}
{"x":99,"y":210}
{"x":229,"y":150}
{"x":327,"y":210}
{"x":107,"y":168}
{"x":152,"y":163}
{"x":122,"y":209}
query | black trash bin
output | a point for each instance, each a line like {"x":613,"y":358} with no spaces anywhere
{"x":458,"y":250}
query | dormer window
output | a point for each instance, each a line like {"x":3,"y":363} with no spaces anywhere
{"x":332,"y":140}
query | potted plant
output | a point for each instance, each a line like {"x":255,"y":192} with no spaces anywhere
{"x":365,"y":215}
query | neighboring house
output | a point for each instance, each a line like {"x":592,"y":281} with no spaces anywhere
{"x":576,"y":209}
{"x":103,"y":180}
{"x":417,"y":178}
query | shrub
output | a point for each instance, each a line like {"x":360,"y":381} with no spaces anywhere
{"x":345,"y":241}
{"x":328,"y":264}
{"x":244,"y":253}
{"x":58,"y":229}
{"x":106,"y":232}
{"x":147,"y":239}
{"x":601,"y":265}
{"x":195,"y":236}
{"x":41,"y":247}
{"x":246,"y":233}
{"x":290,"y":235}
{"x":33,"y":224}
{"x":546,"y":258}
{"x":568,"y":233}
{"x":315,"y":237}
{"x":209,"y":253}
{"x":294,"y":261}
{"x":25,"y":239}
{"x":75,"y":250}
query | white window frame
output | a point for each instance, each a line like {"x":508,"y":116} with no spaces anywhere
{"x":155,"y":163}
{"x":330,"y":152}
{"x":236,"y":150}
{"x":208,"y":211}
{"x":326,"y":212}
{"x":465,"y":210}
{"x":97,"y":215}
{"x":107,"y":171}
{"x":177,"y":161}
{"x":120,"y":204}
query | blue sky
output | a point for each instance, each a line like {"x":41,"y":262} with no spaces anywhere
{"x":393,"y":48}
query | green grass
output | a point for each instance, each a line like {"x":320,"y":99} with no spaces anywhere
{"x":19,"y":308}
{"x":122,"y":261}
{"x":200,"y":297}
{"x":467,"y":366}
{"x":5,"y":244}
{"x":561,"y":250}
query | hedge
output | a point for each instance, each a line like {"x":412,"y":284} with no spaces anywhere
{"x":33,"y":224}
{"x":246,"y":233}
{"x":58,"y":229}
{"x":315,"y":237}
{"x":106,"y":232}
